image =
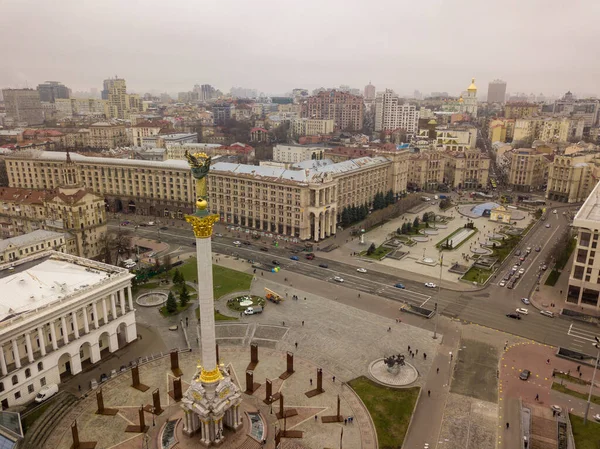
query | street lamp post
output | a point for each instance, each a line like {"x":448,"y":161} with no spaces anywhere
{"x":587,"y":406}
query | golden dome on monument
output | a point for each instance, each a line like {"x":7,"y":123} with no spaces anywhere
{"x":472,"y":87}
{"x":460,"y":100}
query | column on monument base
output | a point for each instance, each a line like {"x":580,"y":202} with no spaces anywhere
{"x":205,"y":437}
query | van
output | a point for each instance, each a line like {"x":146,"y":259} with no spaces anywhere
{"x":46,"y":392}
{"x":253,"y":310}
{"x":547,"y":313}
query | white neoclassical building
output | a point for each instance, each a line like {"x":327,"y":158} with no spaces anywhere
{"x":58,"y":314}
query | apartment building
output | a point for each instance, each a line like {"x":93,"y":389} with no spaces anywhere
{"x":501,"y":130}
{"x":466,"y":169}
{"x":584,"y":279}
{"x":572,"y":177}
{"x":310,"y":127}
{"x":426,"y":170}
{"x":52,"y":90}
{"x":552,"y":130}
{"x":586,"y":109}
{"x":296,"y":153}
{"x":346,"y":110}
{"x":108,"y":135}
{"x":65,"y":314}
{"x":23,"y":106}
{"x":496,"y":91}
{"x":456,"y":138}
{"x":391,"y":113}
{"x":528,"y":169}
{"x":520,"y":110}
{"x":15,"y":248}
{"x":162,"y":140}
{"x":177,"y":151}
{"x":146,"y":128}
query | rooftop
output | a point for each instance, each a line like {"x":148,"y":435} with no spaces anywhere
{"x":588,"y":215}
{"x":40,"y":280}
{"x":26,"y":239}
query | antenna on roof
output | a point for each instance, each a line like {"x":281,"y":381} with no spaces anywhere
{"x":68,"y":157}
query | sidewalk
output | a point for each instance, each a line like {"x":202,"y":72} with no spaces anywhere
{"x":426,"y":422}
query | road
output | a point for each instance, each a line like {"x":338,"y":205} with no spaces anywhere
{"x":486,"y":307}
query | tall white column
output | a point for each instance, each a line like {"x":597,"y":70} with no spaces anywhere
{"x":75,"y":324}
{"x":29,"y":347}
{"x":95,"y":312}
{"x":63,"y":323}
{"x":53,"y":335}
{"x":15,"y":348}
{"x":206,"y":302}
{"x":42,"y":340}
{"x":3,"y":361}
{"x":86,"y":322}
{"x":122,"y":300}
{"x":130,"y":296}
{"x":113,"y":305}
{"x":104,"y":310}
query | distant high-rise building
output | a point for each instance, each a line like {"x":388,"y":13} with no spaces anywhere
{"x":369,"y":91}
{"x":120,"y":103}
{"x":496,"y":91}
{"x":23,"y":106}
{"x":345,"y":109}
{"x":391,"y":113}
{"x":51,"y":90}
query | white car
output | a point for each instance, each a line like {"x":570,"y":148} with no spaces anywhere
{"x":502,"y":283}
{"x":430,"y":285}
{"x":525,"y":300}
{"x":597,"y":417}
{"x":556,"y":408}
{"x":515,"y":268}
{"x":554,"y":211}
{"x":547,"y":225}
{"x":522,"y":311}
{"x":361,"y":270}
{"x":237,"y":243}
{"x":46,"y":392}
{"x":338,"y":279}
{"x":522,"y":271}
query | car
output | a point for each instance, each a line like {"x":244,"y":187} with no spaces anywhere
{"x":247,"y":243}
{"x":151,"y":223}
{"x":502,"y":283}
{"x":525,"y":374}
{"x":295,"y":258}
{"x":275,"y":262}
{"x":46,"y":392}
{"x":518,"y":252}
{"x":310,"y":256}
{"x":218,"y":234}
{"x":164,"y":228}
{"x":544,"y":267}
{"x":597,"y":415}
{"x":514,"y":316}
{"x":522,"y":271}
{"x":554,"y":211}
{"x":556,"y":408}
{"x":515,"y":268}
{"x":338,"y":279}
{"x":547,"y":313}
{"x":522,"y":311}
{"x":124,"y":223}
{"x":237,"y":243}
{"x":253,"y":310}
{"x":103,"y":377}
{"x":547,"y":225}
{"x":430,"y":285}
{"x":528,"y":250}
{"x":399,"y":285}
{"x":521,"y":258}
{"x":265,"y":249}
{"x":323,"y":265}
{"x":538,"y":249}
{"x":525,"y":301}
{"x":143,"y":225}
{"x":361,"y":270}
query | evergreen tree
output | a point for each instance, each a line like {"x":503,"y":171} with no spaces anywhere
{"x":408,"y":228}
{"x":176,"y":277}
{"x":389,"y":197}
{"x":371,"y":249}
{"x":403,"y":229}
{"x":425,"y":217}
{"x":184,"y":295}
{"x":416,"y":223}
{"x":345,"y":217}
{"x":171,"y":303}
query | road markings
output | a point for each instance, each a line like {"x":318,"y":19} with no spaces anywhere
{"x":581,"y":334}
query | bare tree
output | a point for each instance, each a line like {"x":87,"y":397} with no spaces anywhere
{"x":116,"y":246}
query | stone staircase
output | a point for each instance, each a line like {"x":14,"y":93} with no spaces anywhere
{"x":250,"y":443}
{"x":45,"y":424}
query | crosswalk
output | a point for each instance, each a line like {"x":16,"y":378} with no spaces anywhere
{"x":581,"y":338}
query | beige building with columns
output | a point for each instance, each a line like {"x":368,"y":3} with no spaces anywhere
{"x":528,"y":169}
{"x":571,"y":177}
{"x":65,"y":314}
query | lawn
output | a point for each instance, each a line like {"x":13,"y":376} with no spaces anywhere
{"x":163,"y":309}
{"x":378,"y":254}
{"x":576,"y":394}
{"x":477,"y":275}
{"x":572,"y":379}
{"x":234,"y":304}
{"x":455,"y":244}
{"x":586,"y":437}
{"x":218,"y":316}
{"x":28,"y":421}
{"x":225,"y":280}
{"x":390,"y":408}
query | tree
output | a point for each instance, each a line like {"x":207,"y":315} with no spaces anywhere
{"x":116,"y":244}
{"x":167,"y":262}
{"x":408,"y":228}
{"x":416,"y":223}
{"x":171,"y":303}
{"x":184,"y":295}
{"x":425,"y":218}
{"x":177,"y":277}
{"x":371,"y":249}
{"x":389,"y":197}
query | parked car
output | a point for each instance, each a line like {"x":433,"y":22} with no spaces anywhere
{"x":538,"y":249}
{"x":544,"y":267}
{"x":597,"y":415}
{"x":323,"y":265}
{"x":556,"y":408}
{"x":522,"y":311}
{"x":237,"y":243}
{"x":218,"y":234}
{"x":525,"y":301}
{"x":518,"y":252}
{"x":338,"y":279}
{"x":528,"y":250}
{"x":514,"y":316}
{"x":502,"y":283}
{"x":295,"y":258}
{"x":310,"y":256}
{"x":275,"y":262}
{"x":361,"y":270}
{"x":247,"y":243}
{"x":265,"y":249}
{"x":554,"y":211}
{"x":253,"y":310}
{"x":522,"y":271}
{"x":103,"y":377}
{"x":399,"y":285}
{"x":46,"y":392}
{"x":547,"y":225}
{"x":430,"y":285}
{"x":164,"y":228}
{"x":151,"y":223}
{"x":547,"y":313}
{"x":525,"y":374}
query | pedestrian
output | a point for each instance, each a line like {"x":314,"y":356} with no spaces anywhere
{"x":315,"y":418}
{"x":537,"y":397}
{"x":302,"y":322}
{"x":424,"y":356}
{"x":580,"y":373}
{"x":359,"y":295}
{"x":548,"y":362}
{"x":334,"y":379}
{"x":578,"y":368}
{"x":451,"y":356}
{"x":507,"y":425}
{"x":311,"y":382}
{"x":80,"y":388}
{"x":283,"y":323}
{"x":428,"y":393}
{"x":416,"y":351}
{"x":296,"y":345}
{"x":412,"y":355}
{"x":438,"y":371}
{"x":345,"y":421}
{"x":186,"y":321}
{"x":389,"y":329}
{"x":408,"y":348}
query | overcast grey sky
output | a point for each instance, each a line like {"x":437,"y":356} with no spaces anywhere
{"x":546,"y":46}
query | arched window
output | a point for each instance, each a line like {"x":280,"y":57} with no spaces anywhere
{"x":40,"y":366}
{"x":27,"y":373}
{"x":15,"y":380}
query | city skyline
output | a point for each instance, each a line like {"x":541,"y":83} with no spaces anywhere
{"x":88,"y":51}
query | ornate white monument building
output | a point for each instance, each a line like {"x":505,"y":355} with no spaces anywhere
{"x":212,"y":400}
{"x":58,"y":314}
